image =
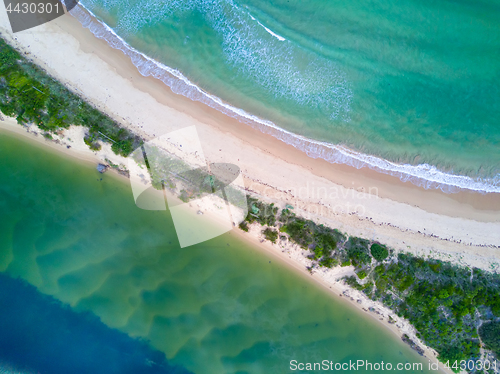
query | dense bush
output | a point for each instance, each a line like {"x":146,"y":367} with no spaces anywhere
{"x":357,"y":250}
{"x":261,"y":212}
{"x":379,"y":252}
{"x":270,"y":234}
{"x":32,"y":96}
{"x":243,"y":226}
{"x":438,"y":298}
{"x":490,"y":335}
{"x":361,"y":274}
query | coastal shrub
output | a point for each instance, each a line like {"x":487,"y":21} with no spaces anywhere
{"x":93,"y":145}
{"x":357,"y":250}
{"x":379,"y":252}
{"x":380,"y":270}
{"x":270,"y":234}
{"x":328,"y":262}
{"x":322,"y":240}
{"x":298,"y":231}
{"x":243,"y":226}
{"x":381,"y":284}
{"x":361,"y":274}
{"x":351,"y":281}
{"x":490,"y":335}
{"x":403,"y":283}
{"x":31,"y":96}
{"x":346,"y":263}
{"x":260,"y":212}
{"x":439,"y":299}
{"x":435,"y":267}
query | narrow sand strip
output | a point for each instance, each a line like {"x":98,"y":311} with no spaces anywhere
{"x":290,"y":254}
{"x":463,"y":227}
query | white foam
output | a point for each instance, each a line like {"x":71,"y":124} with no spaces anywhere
{"x":279,"y":37}
{"x":424,"y":175}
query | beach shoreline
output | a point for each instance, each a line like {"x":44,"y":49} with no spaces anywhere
{"x":424,"y":175}
{"x":293,"y":257}
{"x":464,"y":227}
{"x":376,"y":205}
{"x":464,"y":204}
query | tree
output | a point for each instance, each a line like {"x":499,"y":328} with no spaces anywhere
{"x":490,"y":335}
{"x":379,"y":252}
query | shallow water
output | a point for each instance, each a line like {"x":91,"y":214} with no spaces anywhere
{"x":217,"y":307}
{"x":410,"y":82}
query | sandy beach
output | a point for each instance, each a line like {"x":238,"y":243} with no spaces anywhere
{"x":290,"y":254}
{"x":463,"y":227}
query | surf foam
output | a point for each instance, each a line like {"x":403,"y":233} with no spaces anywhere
{"x":423,"y":175}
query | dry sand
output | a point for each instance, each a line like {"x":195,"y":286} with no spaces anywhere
{"x":462,"y":227}
{"x":284,"y":251}
{"x":465,"y":226}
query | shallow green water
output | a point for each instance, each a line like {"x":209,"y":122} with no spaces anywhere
{"x":410,"y":81}
{"x":217,"y":307}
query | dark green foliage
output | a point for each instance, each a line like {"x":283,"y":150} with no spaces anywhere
{"x":261,"y":212}
{"x":322,"y":240}
{"x":243,"y":226}
{"x":361,"y":274}
{"x":270,"y":234}
{"x":439,"y":299}
{"x":32,"y":96}
{"x":357,"y":250}
{"x":490,"y":335}
{"x":328,"y":262}
{"x":379,"y":252}
{"x":90,"y":141}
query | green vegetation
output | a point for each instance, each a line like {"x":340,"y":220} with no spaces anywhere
{"x":321,"y":240}
{"x":90,"y":140}
{"x":260,"y":212}
{"x":379,"y":251}
{"x":357,"y":250}
{"x":490,"y":335}
{"x":243,"y":226}
{"x":446,"y":303}
{"x":270,"y":234}
{"x":361,"y":274}
{"x":32,"y":96}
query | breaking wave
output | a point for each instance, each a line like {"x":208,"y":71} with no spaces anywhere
{"x":423,"y":175}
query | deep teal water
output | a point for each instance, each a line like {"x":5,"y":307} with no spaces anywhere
{"x":216,"y":307}
{"x":41,"y":335}
{"x":414,"y":82}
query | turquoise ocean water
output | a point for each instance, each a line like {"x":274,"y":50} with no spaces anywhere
{"x":409,"y":88}
{"x":216,"y":307}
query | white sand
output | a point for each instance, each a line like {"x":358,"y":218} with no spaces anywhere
{"x":464,"y":228}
